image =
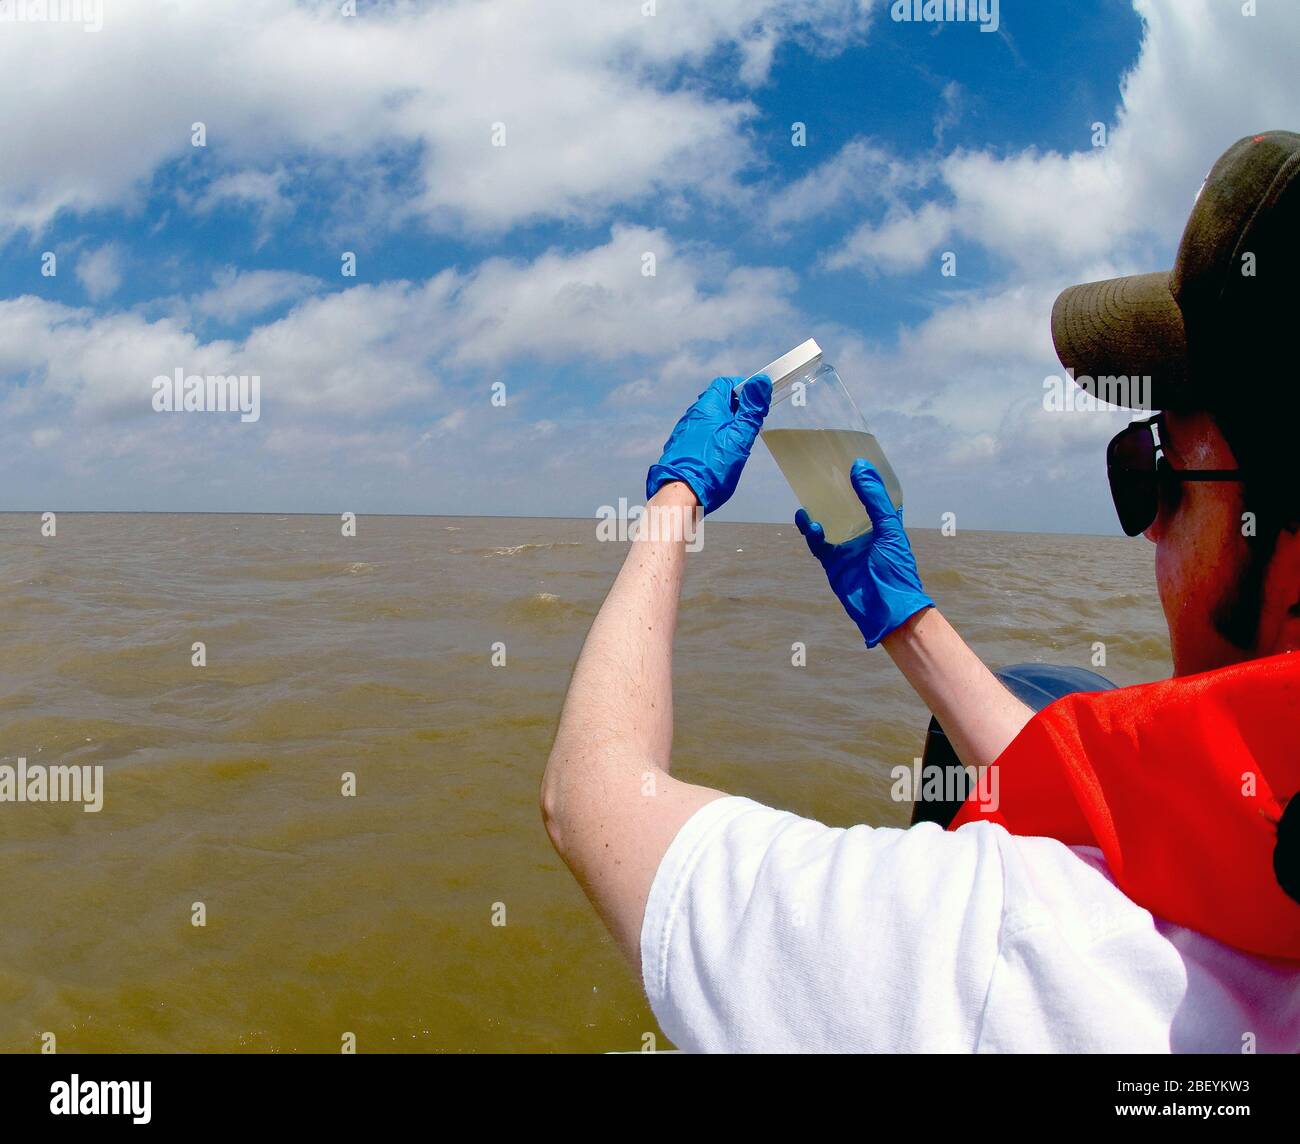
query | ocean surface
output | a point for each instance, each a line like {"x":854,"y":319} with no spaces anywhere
{"x":373,"y":656}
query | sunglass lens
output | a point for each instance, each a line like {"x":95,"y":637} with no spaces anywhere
{"x":1131,"y":467}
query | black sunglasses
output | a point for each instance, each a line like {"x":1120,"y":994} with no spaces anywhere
{"x":1141,"y":479}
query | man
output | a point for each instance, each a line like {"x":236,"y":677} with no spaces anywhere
{"x":1136,"y":887}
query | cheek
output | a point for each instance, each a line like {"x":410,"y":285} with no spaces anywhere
{"x":1171,"y":574}
{"x":1196,"y":555}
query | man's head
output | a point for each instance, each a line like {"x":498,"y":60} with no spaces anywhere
{"x":1227,"y":595}
{"x":1215,"y":481}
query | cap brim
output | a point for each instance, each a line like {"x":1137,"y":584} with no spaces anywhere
{"x":1124,"y":328}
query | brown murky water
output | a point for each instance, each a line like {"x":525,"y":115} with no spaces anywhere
{"x":372,"y":655}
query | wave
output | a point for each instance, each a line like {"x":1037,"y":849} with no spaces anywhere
{"x":944,"y":578}
{"x":516,"y":549}
{"x":545,"y":607}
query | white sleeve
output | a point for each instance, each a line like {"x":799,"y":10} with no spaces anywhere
{"x":766,"y":932}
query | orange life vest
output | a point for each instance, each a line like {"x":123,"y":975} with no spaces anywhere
{"x":1180,"y":785}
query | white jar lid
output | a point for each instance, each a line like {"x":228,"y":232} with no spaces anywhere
{"x":795,"y":362}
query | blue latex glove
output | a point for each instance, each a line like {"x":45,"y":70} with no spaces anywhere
{"x":874,"y":575}
{"x":711,"y":443}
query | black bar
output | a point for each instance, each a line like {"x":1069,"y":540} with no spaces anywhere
{"x":367,"y":1091}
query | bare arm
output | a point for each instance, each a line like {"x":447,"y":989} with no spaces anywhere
{"x":609,"y":804}
{"x":979,"y":715}
{"x":876,"y":579}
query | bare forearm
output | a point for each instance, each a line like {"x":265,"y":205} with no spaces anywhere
{"x":621,"y":691}
{"x":979,"y":715}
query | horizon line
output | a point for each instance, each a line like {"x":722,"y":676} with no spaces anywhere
{"x":471,"y":516}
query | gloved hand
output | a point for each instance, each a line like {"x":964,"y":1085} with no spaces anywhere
{"x":711,"y":443}
{"x":874,"y":575}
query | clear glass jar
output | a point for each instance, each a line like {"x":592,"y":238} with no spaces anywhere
{"x":815,"y":432}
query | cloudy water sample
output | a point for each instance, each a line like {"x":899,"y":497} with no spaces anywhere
{"x":816,"y":462}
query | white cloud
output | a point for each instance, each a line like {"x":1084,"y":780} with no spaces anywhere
{"x":100,"y":272}
{"x":950,"y":113}
{"x":263,"y":189}
{"x":902,"y":242}
{"x":372,"y":348}
{"x":1206,"y":76}
{"x":449,"y":424}
{"x":239,"y":294}
{"x":598,"y":304}
{"x":859,"y":172}
{"x":264,"y":194}
{"x":71,"y":362}
{"x":588,"y":93}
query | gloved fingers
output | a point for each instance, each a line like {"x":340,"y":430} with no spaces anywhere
{"x":812,"y":532}
{"x":717,"y":396}
{"x":751,"y":407}
{"x":753,"y":400}
{"x":870,"y":487}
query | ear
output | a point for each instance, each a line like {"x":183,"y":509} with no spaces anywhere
{"x":1280,"y":628}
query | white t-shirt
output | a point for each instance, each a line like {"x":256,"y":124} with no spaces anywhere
{"x":766,"y":932}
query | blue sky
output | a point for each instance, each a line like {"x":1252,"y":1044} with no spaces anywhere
{"x":625,"y":133}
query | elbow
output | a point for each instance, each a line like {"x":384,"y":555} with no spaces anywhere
{"x":566,"y":798}
{"x":551,"y":804}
